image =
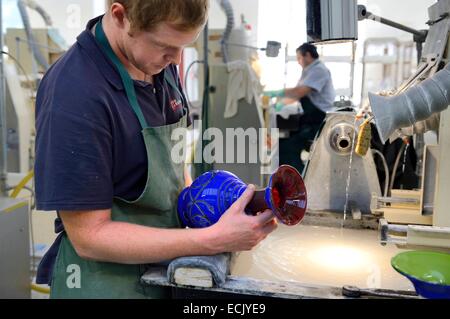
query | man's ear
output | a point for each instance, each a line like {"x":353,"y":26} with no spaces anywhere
{"x":118,"y":14}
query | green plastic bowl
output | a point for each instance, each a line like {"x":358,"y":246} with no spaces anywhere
{"x":428,"y":271}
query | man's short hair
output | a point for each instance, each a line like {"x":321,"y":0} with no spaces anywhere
{"x":145,"y":15}
{"x":308,"y":48}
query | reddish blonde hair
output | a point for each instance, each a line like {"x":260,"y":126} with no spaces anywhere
{"x":145,"y":15}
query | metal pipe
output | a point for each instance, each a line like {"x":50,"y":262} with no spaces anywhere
{"x":364,"y":14}
{"x":206,"y":57}
{"x":385,"y":237}
{"x":26,"y":23}
{"x":202,"y":166}
{"x":3,"y":129}
{"x":398,"y":200}
{"x":398,"y":228}
{"x":419,"y":35}
{"x":419,"y":48}
{"x":45,"y":16}
{"x":272,"y":49}
{"x":228,"y":9}
{"x":244,"y":46}
{"x":395,"y":25}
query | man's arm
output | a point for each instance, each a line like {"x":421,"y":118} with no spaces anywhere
{"x":96,"y":237}
{"x":297,"y":92}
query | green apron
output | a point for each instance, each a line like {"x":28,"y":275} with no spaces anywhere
{"x":156,"y":207}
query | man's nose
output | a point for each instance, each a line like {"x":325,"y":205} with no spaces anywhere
{"x":176,"y":56}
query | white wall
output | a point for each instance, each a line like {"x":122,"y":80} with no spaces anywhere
{"x":249,"y":8}
{"x":68,"y":16}
{"x":285,"y":21}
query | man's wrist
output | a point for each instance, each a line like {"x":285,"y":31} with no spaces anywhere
{"x":276,"y":93}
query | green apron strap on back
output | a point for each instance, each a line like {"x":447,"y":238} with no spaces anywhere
{"x":126,"y":79}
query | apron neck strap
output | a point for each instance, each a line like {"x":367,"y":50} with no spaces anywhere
{"x":125,"y":76}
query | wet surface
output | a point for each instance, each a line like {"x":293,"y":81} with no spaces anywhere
{"x":323,"y":256}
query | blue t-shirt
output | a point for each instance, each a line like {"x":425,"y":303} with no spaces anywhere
{"x":317,"y":77}
{"x":89,"y":146}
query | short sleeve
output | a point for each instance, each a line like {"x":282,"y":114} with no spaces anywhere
{"x":316,"y":79}
{"x":73,"y":169}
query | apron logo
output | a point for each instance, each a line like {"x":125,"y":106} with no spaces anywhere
{"x":74,"y":279}
{"x":175,"y":104}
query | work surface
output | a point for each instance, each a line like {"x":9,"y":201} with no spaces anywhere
{"x":322,"y":256}
{"x":305,"y":262}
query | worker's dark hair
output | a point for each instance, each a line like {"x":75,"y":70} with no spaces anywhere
{"x":308,"y":48}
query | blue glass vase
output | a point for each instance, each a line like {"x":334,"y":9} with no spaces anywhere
{"x":211,"y":194}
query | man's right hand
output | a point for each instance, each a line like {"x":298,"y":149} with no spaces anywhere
{"x":279,"y":106}
{"x":236,"y":231}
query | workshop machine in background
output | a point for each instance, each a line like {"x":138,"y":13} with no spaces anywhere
{"x":421,"y":216}
{"x":28,"y":54}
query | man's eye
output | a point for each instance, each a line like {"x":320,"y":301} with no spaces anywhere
{"x":161,"y":46}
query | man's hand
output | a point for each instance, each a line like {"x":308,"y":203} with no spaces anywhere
{"x":236,"y":231}
{"x":279,"y":106}
{"x":96,"y":237}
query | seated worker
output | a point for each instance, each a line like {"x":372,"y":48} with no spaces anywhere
{"x":316,"y":93}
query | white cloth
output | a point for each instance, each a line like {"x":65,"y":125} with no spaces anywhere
{"x":243,"y":83}
{"x":288,"y":110}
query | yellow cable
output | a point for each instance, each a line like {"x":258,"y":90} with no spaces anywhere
{"x":14,"y":194}
{"x":22,"y":184}
{"x":40,"y":289}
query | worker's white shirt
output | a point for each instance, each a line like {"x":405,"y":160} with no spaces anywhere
{"x":317,"y":77}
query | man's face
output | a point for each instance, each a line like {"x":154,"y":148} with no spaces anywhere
{"x":304,"y":60}
{"x":151,"y":52}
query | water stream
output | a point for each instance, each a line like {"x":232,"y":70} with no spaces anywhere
{"x":349,"y":175}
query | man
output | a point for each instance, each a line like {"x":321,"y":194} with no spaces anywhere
{"x":316,"y":93}
{"x":105,"y":114}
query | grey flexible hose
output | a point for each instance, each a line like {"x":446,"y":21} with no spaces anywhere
{"x":228,"y":9}
{"x":45,"y":16}
{"x":386,"y":172}
{"x":418,"y":103}
{"x":31,"y":40}
{"x":394,"y":170}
